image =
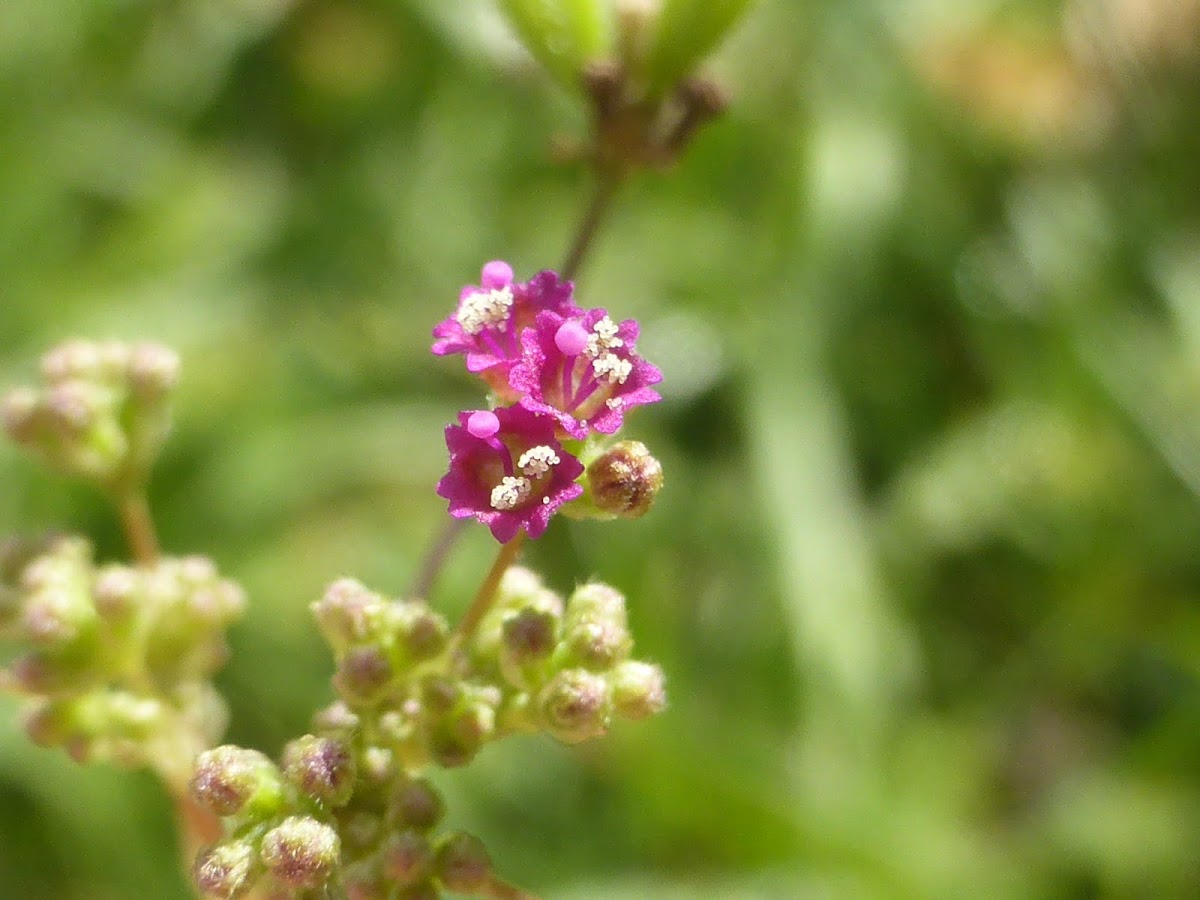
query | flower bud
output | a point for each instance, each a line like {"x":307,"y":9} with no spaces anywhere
{"x":50,"y":724}
{"x":458,"y":737}
{"x":463,"y":864}
{"x":638,"y":689}
{"x":406,"y":858}
{"x":225,"y":871}
{"x":596,"y":629}
{"x":363,"y":675}
{"x":563,"y":35}
{"x":625,"y":480}
{"x":72,"y":359}
{"x":153,"y":372}
{"x":575,"y":705}
{"x":336,"y":720}
{"x":300,"y":852}
{"x":56,"y":615}
{"x":418,"y":629}
{"x":20,"y":414}
{"x":229,"y":780}
{"x":320,"y":768}
{"x":348,"y":613}
{"x":528,"y":638}
{"x":417,"y":805}
{"x":115,"y":592}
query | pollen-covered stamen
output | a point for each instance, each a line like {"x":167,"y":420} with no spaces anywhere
{"x":603,"y":338}
{"x":612,"y":368}
{"x":537,"y":461}
{"x":485,"y":309}
{"x":510,"y":493}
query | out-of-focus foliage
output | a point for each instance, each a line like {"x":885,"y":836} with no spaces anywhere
{"x":926,"y":571}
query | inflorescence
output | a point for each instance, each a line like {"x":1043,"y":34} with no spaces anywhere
{"x":561,"y":380}
{"x":118,"y":659}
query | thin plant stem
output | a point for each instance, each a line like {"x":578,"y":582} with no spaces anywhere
{"x":435,"y":558}
{"x":607,"y":184}
{"x":486,"y":594}
{"x":138,"y":524}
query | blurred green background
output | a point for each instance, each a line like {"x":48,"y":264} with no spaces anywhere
{"x":926,"y":574}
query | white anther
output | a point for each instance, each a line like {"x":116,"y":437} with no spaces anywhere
{"x":537,"y":461}
{"x":510,"y":493}
{"x":485,"y":309}
{"x":612,"y":368}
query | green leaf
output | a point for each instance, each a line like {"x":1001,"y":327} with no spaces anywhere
{"x":563,"y":35}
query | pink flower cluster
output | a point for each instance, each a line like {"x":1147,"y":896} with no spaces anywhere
{"x":558,"y":374}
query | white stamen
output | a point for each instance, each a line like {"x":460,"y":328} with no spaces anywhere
{"x":484,"y":309}
{"x":537,"y":461}
{"x":612,"y":368}
{"x":510,"y":493}
{"x":603,"y":338}
{"x":613,"y":402}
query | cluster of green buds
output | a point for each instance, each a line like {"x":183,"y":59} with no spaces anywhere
{"x":562,"y":668}
{"x":329,"y":814}
{"x":119,"y":658}
{"x":636,"y":60}
{"x":101,"y":414}
{"x":347,"y":804}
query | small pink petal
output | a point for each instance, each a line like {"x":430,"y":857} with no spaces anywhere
{"x":483,"y":424}
{"x":571,"y":337}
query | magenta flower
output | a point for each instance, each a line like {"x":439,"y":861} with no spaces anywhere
{"x":490,"y":317}
{"x":584,"y":370}
{"x":508,"y":471}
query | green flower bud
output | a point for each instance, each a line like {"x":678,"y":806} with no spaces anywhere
{"x":116,"y":592}
{"x":460,"y":735}
{"x":225,"y":871}
{"x":575,"y":705}
{"x":300,"y":852}
{"x":21,"y":416}
{"x":563,"y":35}
{"x":363,"y":675}
{"x":153,"y":372}
{"x":624,"y":481}
{"x":529,"y":637}
{"x":73,"y":359}
{"x":232,"y":780}
{"x":360,"y":830}
{"x":50,"y":724}
{"x":596,"y":629}
{"x":463,"y":863}
{"x":322,"y":769}
{"x":638,"y":690}
{"x":417,"y":805}
{"x":406,"y":858}
{"x":348,"y":613}
{"x":688,"y":30}
{"x":336,"y":720}
{"x":420,"y":631}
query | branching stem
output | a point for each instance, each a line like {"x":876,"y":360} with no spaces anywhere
{"x":138,"y":524}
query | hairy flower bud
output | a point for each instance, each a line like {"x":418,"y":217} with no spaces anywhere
{"x":348,"y":613}
{"x":417,"y":805}
{"x":153,"y":371}
{"x":19,"y":415}
{"x":638,"y":689}
{"x":225,"y":871}
{"x":321,"y":768}
{"x":406,"y":858}
{"x":229,"y":780}
{"x":575,"y":705}
{"x":625,"y":480}
{"x":528,"y":638}
{"x":418,"y":629}
{"x":363,"y":675}
{"x":300,"y":852}
{"x":463,"y":863}
{"x":115,"y":592}
{"x":596,"y":629}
